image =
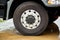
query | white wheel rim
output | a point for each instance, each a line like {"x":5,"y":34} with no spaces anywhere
{"x":33,"y":13}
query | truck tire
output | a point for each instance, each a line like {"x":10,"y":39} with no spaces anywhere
{"x":30,"y":18}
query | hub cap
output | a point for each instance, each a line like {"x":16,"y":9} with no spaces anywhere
{"x":30,"y":19}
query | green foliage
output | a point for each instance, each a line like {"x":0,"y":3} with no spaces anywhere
{"x":1,"y":20}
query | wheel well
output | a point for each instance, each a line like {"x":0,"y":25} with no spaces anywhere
{"x":13,"y":7}
{"x":52,"y":11}
{"x":16,"y":3}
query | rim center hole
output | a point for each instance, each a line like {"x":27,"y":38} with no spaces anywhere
{"x":30,"y":19}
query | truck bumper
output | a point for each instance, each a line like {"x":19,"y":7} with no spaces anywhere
{"x":51,"y":3}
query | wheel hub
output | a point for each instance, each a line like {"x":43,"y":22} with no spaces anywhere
{"x":30,"y":19}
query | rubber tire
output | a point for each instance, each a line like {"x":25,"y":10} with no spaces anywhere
{"x":35,"y":6}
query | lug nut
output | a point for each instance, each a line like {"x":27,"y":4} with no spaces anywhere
{"x":24,"y":13}
{"x":35,"y":25}
{"x":31,"y":27}
{"x":34,"y":12}
{"x":38,"y":20}
{"x":29,"y":10}
{"x":38,"y":15}
{"x":26,"y":26}
{"x":22,"y":17}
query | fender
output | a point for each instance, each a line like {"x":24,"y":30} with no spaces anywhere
{"x":8,"y":8}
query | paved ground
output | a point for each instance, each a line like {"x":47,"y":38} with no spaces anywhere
{"x":47,"y":35}
{"x":7,"y":28}
{"x":8,"y":24}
